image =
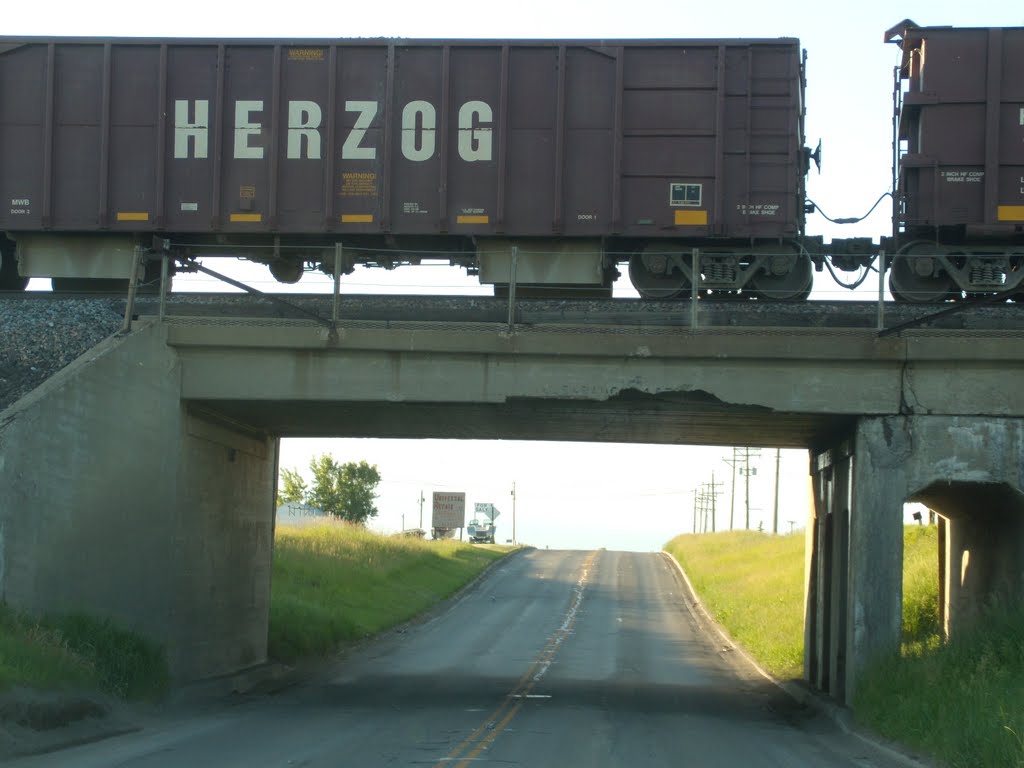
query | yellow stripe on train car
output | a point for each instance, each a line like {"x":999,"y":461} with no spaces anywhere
{"x":691,"y":218}
{"x":1010,"y":213}
{"x":357,"y":218}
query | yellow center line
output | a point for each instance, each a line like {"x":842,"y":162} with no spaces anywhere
{"x":509,"y":701}
{"x":492,"y":726}
{"x":490,"y":737}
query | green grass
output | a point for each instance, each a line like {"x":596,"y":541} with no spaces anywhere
{"x":753,"y":584}
{"x":921,"y":628}
{"x":78,"y":652}
{"x":32,"y":655}
{"x":125,"y":664}
{"x":334,"y":584}
{"x":962,"y":702}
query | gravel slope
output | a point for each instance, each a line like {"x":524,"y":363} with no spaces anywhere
{"x":39,"y":337}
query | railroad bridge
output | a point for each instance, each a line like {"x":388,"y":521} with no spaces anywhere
{"x":139,"y":482}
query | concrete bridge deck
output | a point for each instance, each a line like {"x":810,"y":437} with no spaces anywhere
{"x":795,"y":387}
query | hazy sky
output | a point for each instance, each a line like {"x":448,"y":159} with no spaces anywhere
{"x":617,"y":496}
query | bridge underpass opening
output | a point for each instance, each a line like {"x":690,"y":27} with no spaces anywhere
{"x":630,"y":441}
{"x":576,"y":495}
{"x":979,"y":561}
{"x":596,"y":453}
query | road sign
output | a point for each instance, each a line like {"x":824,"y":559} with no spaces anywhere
{"x":449,"y":510}
{"x":485,"y":510}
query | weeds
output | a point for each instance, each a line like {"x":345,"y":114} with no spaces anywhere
{"x":78,"y":651}
{"x":336,"y":583}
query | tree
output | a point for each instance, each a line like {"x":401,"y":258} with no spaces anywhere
{"x":346,"y":491}
{"x":292,"y":487}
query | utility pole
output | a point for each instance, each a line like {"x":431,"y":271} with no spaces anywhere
{"x":704,"y":508}
{"x":421,"y":509}
{"x":513,"y":513}
{"x":732,"y":484}
{"x":775,"y":519}
{"x":746,"y":470}
{"x":706,"y":497}
{"x":695,"y":510}
{"x":714,"y":496}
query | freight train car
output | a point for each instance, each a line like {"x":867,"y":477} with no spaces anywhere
{"x":577,"y":156}
{"x":958,"y":213}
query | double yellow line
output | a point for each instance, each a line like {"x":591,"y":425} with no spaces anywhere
{"x":497,"y":721}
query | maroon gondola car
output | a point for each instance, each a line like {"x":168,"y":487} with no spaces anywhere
{"x":580,"y":154}
{"x":959,"y":209}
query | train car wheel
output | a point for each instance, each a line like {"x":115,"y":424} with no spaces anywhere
{"x":908,"y":282}
{"x":794,"y":285}
{"x":287,"y":271}
{"x":652,"y":284}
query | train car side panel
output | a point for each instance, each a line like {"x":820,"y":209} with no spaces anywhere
{"x":358,"y":188}
{"x":23,"y":135}
{"x":279,"y":149}
{"x":192,"y":151}
{"x":963,"y":120}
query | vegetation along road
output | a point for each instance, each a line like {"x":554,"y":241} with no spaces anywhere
{"x":552,"y":659}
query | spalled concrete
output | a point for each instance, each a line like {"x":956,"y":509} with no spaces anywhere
{"x":119,"y":501}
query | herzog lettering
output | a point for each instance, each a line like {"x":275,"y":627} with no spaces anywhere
{"x":304,"y":140}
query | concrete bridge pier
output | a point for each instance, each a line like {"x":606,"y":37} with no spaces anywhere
{"x":120,"y":501}
{"x":967,"y":469}
{"x":981,"y":548}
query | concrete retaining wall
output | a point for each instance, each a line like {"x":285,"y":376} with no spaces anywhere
{"x":116,"y":501}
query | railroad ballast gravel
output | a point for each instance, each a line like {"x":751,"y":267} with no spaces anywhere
{"x":39,"y":337}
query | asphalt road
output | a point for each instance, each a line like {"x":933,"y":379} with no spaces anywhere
{"x":554,"y":659}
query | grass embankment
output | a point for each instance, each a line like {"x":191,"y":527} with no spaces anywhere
{"x":78,"y":653}
{"x":332,"y":584}
{"x":335,"y":584}
{"x":963,"y":702}
{"x":754,"y":586}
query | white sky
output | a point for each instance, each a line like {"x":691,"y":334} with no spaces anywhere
{"x":570,"y":495}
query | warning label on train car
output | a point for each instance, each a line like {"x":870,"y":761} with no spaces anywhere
{"x":449,"y":510}
{"x":355,"y":184}
{"x":758,"y":209}
{"x":963,"y":177}
{"x":685,"y":194}
{"x":305,"y":54}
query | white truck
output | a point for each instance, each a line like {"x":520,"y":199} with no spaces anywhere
{"x":481,"y":528}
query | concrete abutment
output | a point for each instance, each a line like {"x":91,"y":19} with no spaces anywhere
{"x":970,"y":471}
{"x":120,"y":501}
{"x":133,"y":486}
